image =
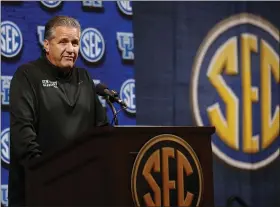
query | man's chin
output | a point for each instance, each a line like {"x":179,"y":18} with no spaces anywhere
{"x":67,"y":66}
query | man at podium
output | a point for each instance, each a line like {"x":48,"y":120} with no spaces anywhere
{"x":51,"y":101}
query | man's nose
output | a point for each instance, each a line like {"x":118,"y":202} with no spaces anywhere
{"x":69,"y":48}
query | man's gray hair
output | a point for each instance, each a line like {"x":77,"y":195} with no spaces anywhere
{"x":59,"y":21}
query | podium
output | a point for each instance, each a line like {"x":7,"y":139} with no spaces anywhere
{"x":126,"y":166}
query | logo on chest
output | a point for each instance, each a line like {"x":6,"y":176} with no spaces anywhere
{"x":48,"y":83}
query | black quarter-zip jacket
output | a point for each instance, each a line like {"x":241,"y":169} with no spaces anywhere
{"x":48,"y":107}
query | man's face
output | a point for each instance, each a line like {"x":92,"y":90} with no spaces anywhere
{"x":62,"y":50}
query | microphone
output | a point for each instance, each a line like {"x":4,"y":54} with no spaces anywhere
{"x":102,"y":90}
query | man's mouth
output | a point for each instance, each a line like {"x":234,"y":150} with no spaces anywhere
{"x":68,"y":58}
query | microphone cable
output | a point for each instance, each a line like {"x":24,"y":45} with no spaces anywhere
{"x":115,"y":116}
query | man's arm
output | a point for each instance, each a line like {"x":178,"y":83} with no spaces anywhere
{"x":23,"y":118}
{"x":101,"y":118}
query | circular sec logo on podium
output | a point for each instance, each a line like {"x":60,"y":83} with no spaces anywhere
{"x":167,"y":172}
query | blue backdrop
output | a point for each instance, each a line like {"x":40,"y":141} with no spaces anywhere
{"x":107,"y":51}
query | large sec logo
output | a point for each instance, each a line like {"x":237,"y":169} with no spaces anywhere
{"x":127,"y":94}
{"x":11,"y":39}
{"x":5,"y":146}
{"x":167,"y":172}
{"x":235,"y":87}
{"x":92,"y":45}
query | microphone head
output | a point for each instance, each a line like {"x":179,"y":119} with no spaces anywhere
{"x":114,"y":93}
{"x":100,"y":89}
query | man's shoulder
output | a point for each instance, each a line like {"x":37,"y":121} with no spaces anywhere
{"x":28,"y":70}
{"x":28,"y":67}
{"x":83,"y":72}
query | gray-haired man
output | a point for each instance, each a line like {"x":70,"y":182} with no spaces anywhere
{"x":51,"y":102}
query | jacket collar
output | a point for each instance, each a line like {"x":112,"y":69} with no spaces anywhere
{"x":55,"y":71}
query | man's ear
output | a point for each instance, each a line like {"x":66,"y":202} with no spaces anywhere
{"x":46,"y":45}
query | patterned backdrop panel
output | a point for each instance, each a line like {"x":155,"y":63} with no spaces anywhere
{"x":106,"y":51}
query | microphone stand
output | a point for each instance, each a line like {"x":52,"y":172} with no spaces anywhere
{"x":115,"y":118}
